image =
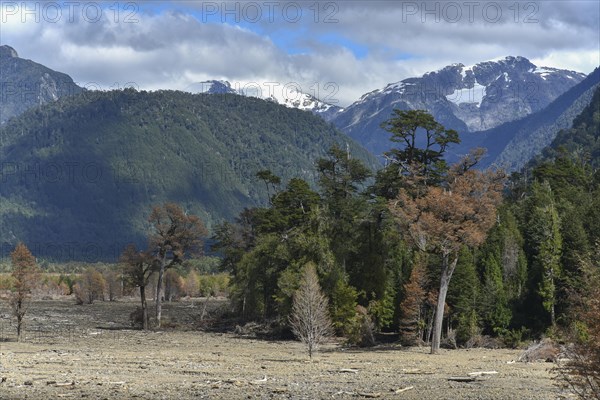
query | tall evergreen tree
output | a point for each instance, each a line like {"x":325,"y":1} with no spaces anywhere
{"x":422,"y":143}
{"x":545,"y":248}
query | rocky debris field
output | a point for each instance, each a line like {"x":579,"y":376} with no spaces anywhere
{"x":91,"y":352}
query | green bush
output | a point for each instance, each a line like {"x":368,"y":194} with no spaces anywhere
{"x":213,"y":285}
{"x":512,"y":338}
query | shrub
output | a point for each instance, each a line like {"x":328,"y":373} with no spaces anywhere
{"x":361,"y":329}
{"x":173,"y":285}
{"x":89,"y":287}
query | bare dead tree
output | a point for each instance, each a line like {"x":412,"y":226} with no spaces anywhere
{"x":310,"y":317}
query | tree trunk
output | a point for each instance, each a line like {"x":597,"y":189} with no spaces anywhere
{"x":159,"y":290}
{"x":430,"y":327}
{"x":144,"y":308}
{"x":552,"y":308}
{"x":19,"y":326}
{"x":447,"y":271}
{"x":19,"y":316}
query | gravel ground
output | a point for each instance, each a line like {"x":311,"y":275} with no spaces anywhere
{"x":90,"y":352}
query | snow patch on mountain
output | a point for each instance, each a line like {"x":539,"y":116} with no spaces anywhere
{"x":467,"y":98}
{"x":289,"y":97}
{"x":473,"y":95}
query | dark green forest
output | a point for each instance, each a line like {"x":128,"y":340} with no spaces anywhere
{"x":513,"y":282}
{"x":80,"y":175}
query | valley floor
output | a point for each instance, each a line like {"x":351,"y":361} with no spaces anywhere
{"x":89,"y":352}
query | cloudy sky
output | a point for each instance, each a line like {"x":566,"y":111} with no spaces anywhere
{"x":337,"y":50}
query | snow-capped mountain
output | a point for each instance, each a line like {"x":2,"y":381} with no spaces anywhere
{"x":465,"y":98}
{"x":290,"y":98}
{"x":307,"y":102}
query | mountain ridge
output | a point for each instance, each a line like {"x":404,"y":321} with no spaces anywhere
{"x":460,"y":97}
{"x":87,"y":168}
{"x":26,"y":84}
{"x":291,"y":97}
{"x":514,"y":143}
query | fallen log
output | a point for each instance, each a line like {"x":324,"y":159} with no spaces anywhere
{"x":403,"y":389}
{"x":369,"y":395}
{"x":463,"y":378}
{"x":481,"y":373}
{"x":59,"y":384}
{"x":259,"y":381}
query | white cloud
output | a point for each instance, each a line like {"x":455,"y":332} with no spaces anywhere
{"x":172,"y":49}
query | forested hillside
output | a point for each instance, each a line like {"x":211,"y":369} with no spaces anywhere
{"x":381,"y":252}
{"x":79,"y":175}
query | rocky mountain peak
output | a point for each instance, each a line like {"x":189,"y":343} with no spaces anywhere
{"x":291,"y":99}
{"x":214,"y":87}
{"x":27,"y":84}
{"x":8,"y":52}
{"x":467,"y":98}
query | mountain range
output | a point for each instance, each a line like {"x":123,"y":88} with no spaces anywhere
{"x":290,"y":97}
{"x":464,"y":98}
{"x":80,"y":169}
{"x":86,"y":169}
{"x":512,"y":144}
{"x":510,"y":106}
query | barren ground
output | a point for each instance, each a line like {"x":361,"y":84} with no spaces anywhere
{"x":90,"y":352}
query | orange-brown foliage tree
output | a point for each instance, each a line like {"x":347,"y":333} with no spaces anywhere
{"x":174,"y":285}
{"x":412,"y":308}
{"x":90,"y":287}
{"x":138,"y":268}
{"x":192,"y":284}
{"x":24,"y":274}
{"x":174,"y":236}
{"x":444,"y":218}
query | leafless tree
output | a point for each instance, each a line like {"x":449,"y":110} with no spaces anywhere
{"x":310,"y":318}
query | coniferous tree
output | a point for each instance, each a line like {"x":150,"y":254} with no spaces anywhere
{"x":464,"y":296}
{"x":410,"y":129}
{"x":544,"y":244}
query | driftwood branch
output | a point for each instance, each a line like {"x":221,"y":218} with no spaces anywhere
{"x":481,"y":373}
{"x":463,"y":378}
